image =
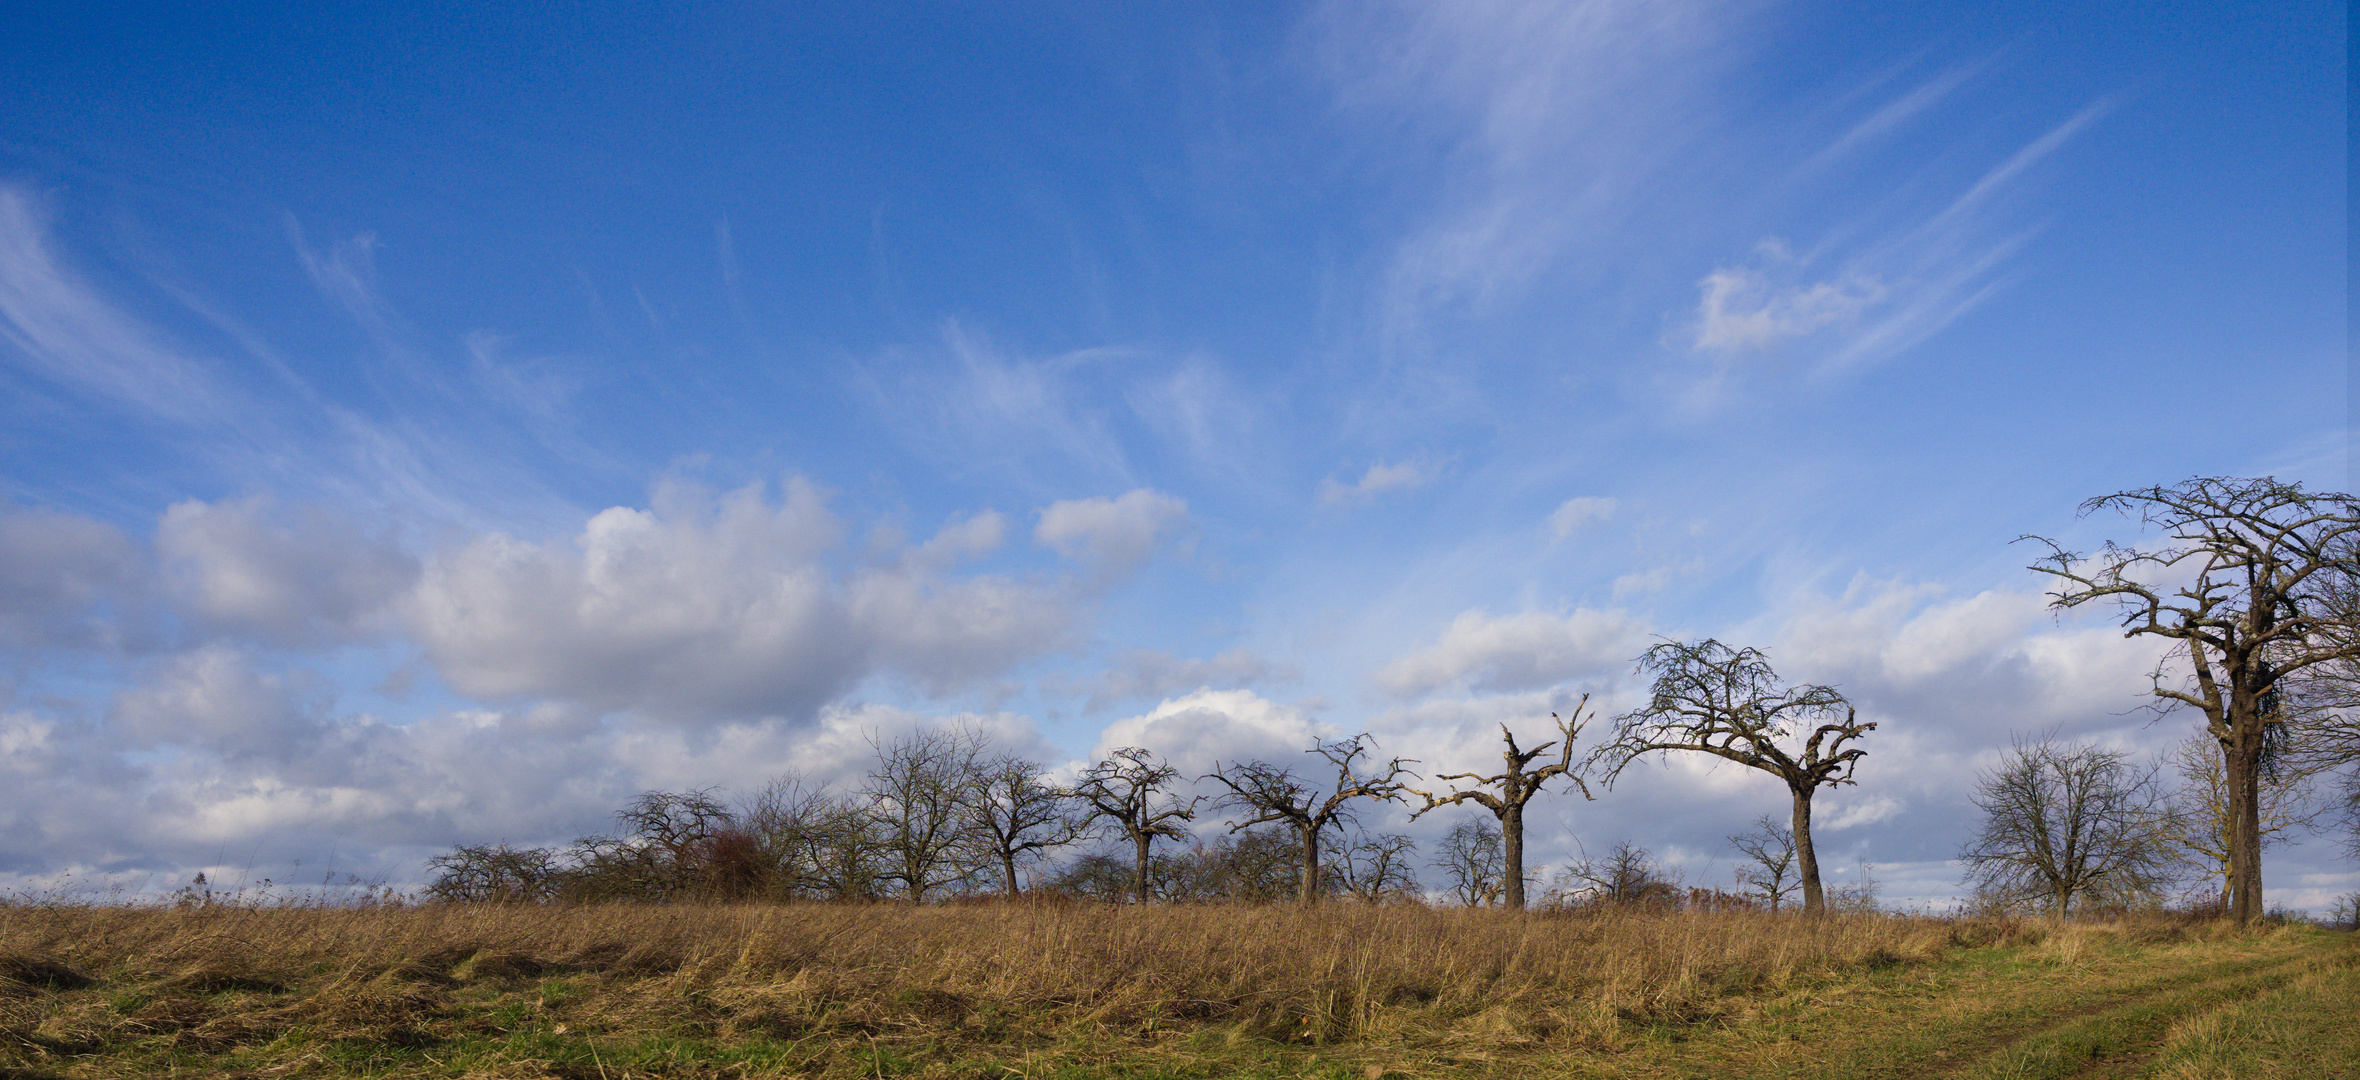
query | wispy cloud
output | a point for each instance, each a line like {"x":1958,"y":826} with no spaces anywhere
{"x":1572,"y":515}
{"x":1881,"y":297}
{"x":1544,"y":120}
{"x":1379,"y":479}
{"x":61,"y":328}
{"x":1759,"y":307}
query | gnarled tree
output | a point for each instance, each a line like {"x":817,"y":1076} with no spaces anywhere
{"x":1516,"y":786}
{"x":2246,"y":584}
{"x":1711,"y":699}
{"x":1130,"y":789}
{"x":1273,"y":793}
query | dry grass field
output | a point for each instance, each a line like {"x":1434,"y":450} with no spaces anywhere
{"x":1063,"y":990}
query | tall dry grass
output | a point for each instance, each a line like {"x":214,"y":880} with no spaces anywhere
{"x":234,"y":975}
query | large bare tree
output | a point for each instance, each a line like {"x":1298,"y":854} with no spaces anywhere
{"x":1516,"y":785}
{"x":2066,"y":822}
{"x":1130,"y":789}
{"x":1275,"y":794}
{"x":1711,"y":699}
{"x":2246,"y":583}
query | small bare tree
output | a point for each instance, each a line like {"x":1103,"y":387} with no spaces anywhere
{"x":493,"y":874}
{"x":1473,"y":860}
{"x":1628,"y":875}
{"x":1377,"y":867}
{"x":1712,"y":699}
{"x":917,"y":795}
{"x":1018,"y":815}
{"x":2249,"y":585}
{"x":1517,"y":784}
{"x":1131,"y":790}
{"x":1273,"y":793}
{"x":1770,"y":849}
{"x":2068,"y":822}
{"x":2202,"y":824}
{"x":816,"y":842}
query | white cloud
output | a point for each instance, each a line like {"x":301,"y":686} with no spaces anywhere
{"x":1111,"y":535}
{"x":1573,"y":513}
{"x":67,"y":581}
{"x":304,"y":578}
{"x":1198,"y":731}
{"x":1754,"y":309}
{"x":1156,"y":673}
{"x":1525,"y":651}
{"x":215,"y":699}
{"x":709,"y":609}
{"x":1379,"y":478}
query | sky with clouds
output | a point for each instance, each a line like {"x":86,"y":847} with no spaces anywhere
{"x":429,"y":424}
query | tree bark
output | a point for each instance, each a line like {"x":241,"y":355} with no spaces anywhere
{"x":1139,"y":875}
{"x":2244,"y":754}
{"x":1512,"y":847}
{"x":1806,"y":859}
{"x":1310,"y":864}
{"x":1008,"y":866}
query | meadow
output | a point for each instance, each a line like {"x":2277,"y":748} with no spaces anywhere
{"x":1076,"y":990}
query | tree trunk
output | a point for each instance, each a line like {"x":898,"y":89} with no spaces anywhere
{"x":1139,"y":875}
{"x":1310,"y":864}
{"x":1512,"y":846}
{"x":2243,"y":768}
{"x":1806,"y":859}
{"x":1008,"y":866}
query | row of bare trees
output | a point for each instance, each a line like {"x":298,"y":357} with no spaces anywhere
{"x":2257,"y":585}
{"x":941,"y":813}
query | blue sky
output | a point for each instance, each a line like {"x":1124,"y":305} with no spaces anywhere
{"x":422,"y":426}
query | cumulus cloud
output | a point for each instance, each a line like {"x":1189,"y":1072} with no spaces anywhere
{"x":215,"y":699}
{"x":1111,"y":536}
{"x":304,"y":578}
{"x":1199,"y":731}
{"x":706,"y":609}
{"x":66,"y":581}
{"x":1379,"y":478}
{"x":1525,"y":651}
{"x":1574,"y":513}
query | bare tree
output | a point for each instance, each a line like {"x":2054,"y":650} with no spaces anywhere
{"x":2202,"y":824}
{"x":1712,"y":699}
{"x":2246,"y":584}
{"x":1517,"y":784}
{"x":1274,"y":794}
{"x":1018,"y":815}
{"x":493,"y":873}
{"x":1628,"y":875}
{"x":1770,"y":848}
{"x":1132,"y":791}
{"x":917,"y":795}
{"x":1473,"y":860}
{"x":1377,"y":867}
{"x":2066,"y":822}
{"x":817,"y":843}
